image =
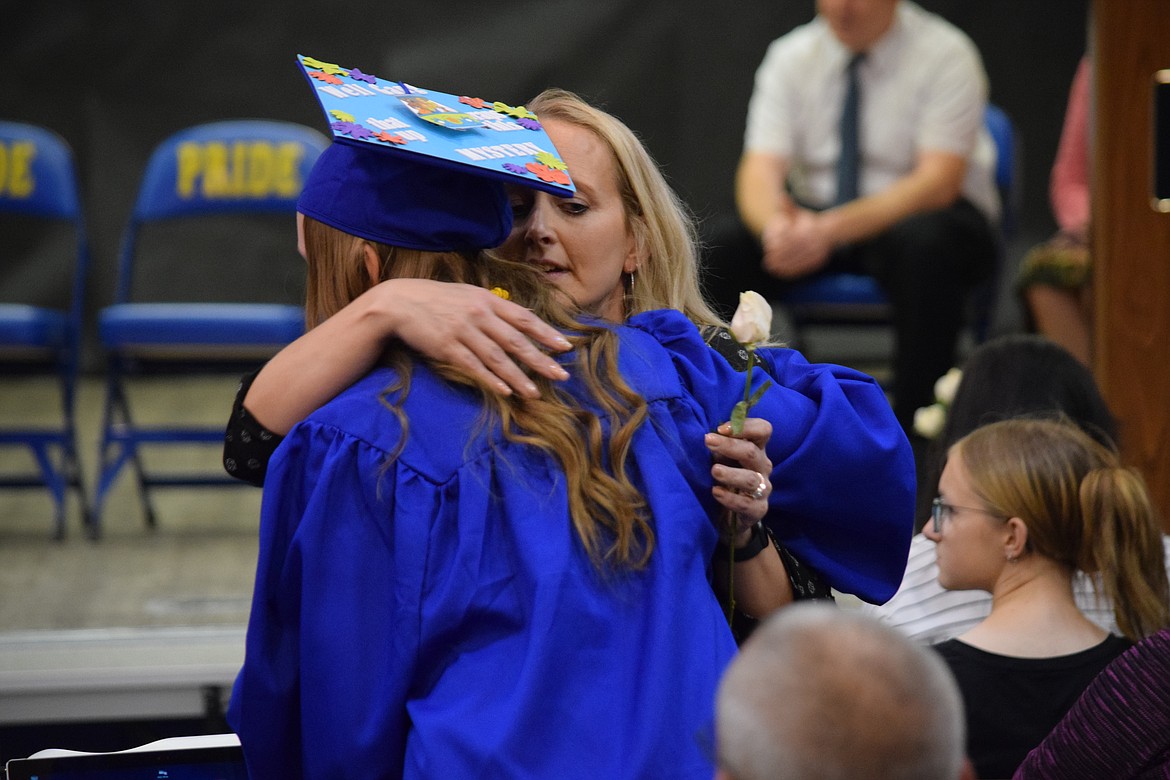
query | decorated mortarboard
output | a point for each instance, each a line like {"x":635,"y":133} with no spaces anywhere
{"x":465,"y":133}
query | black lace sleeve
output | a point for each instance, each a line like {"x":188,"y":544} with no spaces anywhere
{"x":721,"y":340}
{"x":247,"y":445}
{"x":806,"y":584}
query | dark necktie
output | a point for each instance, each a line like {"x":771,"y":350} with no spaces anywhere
{"x":849,"y":165}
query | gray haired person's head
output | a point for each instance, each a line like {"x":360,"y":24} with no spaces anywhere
{"x":824,"y":693}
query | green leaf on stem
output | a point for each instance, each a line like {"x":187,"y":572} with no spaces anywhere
{"x":738,"y":415}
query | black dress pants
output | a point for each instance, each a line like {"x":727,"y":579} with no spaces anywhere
{"x":927,"y":265}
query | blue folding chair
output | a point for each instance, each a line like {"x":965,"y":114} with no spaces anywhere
{"x":845,"y":298}
{"x":241,"y":167}
{"x":38,"y":179}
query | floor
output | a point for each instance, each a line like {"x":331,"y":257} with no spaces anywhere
{"x":144,"y":625}
{"x":194,"y":568}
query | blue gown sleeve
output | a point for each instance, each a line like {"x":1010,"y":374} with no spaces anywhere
{"x":843,"y":472}
{"x":335,"y":614}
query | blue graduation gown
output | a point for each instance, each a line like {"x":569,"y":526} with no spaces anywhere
{"x":436,"y":615}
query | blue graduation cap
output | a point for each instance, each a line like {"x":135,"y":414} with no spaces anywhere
{"x":420,"y":168}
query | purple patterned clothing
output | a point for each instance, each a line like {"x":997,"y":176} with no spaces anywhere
{"x":1119,"y":728}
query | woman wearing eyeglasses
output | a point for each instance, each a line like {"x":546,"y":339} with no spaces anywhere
{"x":1022,"y":505}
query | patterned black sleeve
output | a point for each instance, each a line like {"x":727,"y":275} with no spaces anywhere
{"x":247,"y":445}
{"x":806,"y":582}
{"x":721,"y":340}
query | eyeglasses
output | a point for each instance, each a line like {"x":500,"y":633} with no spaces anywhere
{"x":940,"y":512}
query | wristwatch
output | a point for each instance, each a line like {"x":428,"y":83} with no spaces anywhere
{"x":758,"y":542}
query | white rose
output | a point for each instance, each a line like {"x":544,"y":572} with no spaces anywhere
{"x":929,"y":420}
{"x":752,"y":322}
{"x":946,"y":386}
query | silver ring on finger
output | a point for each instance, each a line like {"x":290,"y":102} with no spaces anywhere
{"x":761,"y":488}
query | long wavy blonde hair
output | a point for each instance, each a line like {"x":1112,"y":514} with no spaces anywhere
{"x":1083,"y":509}
{"x":608,"y":512}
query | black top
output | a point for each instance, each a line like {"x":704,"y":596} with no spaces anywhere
{"x":1012,"y":703}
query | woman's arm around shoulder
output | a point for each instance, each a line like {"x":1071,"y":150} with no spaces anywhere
{"x":463,"y":325}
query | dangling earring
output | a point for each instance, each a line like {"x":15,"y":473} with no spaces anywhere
{"x":628,"y":298}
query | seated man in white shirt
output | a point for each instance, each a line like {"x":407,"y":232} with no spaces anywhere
{"x":899,"y":187}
